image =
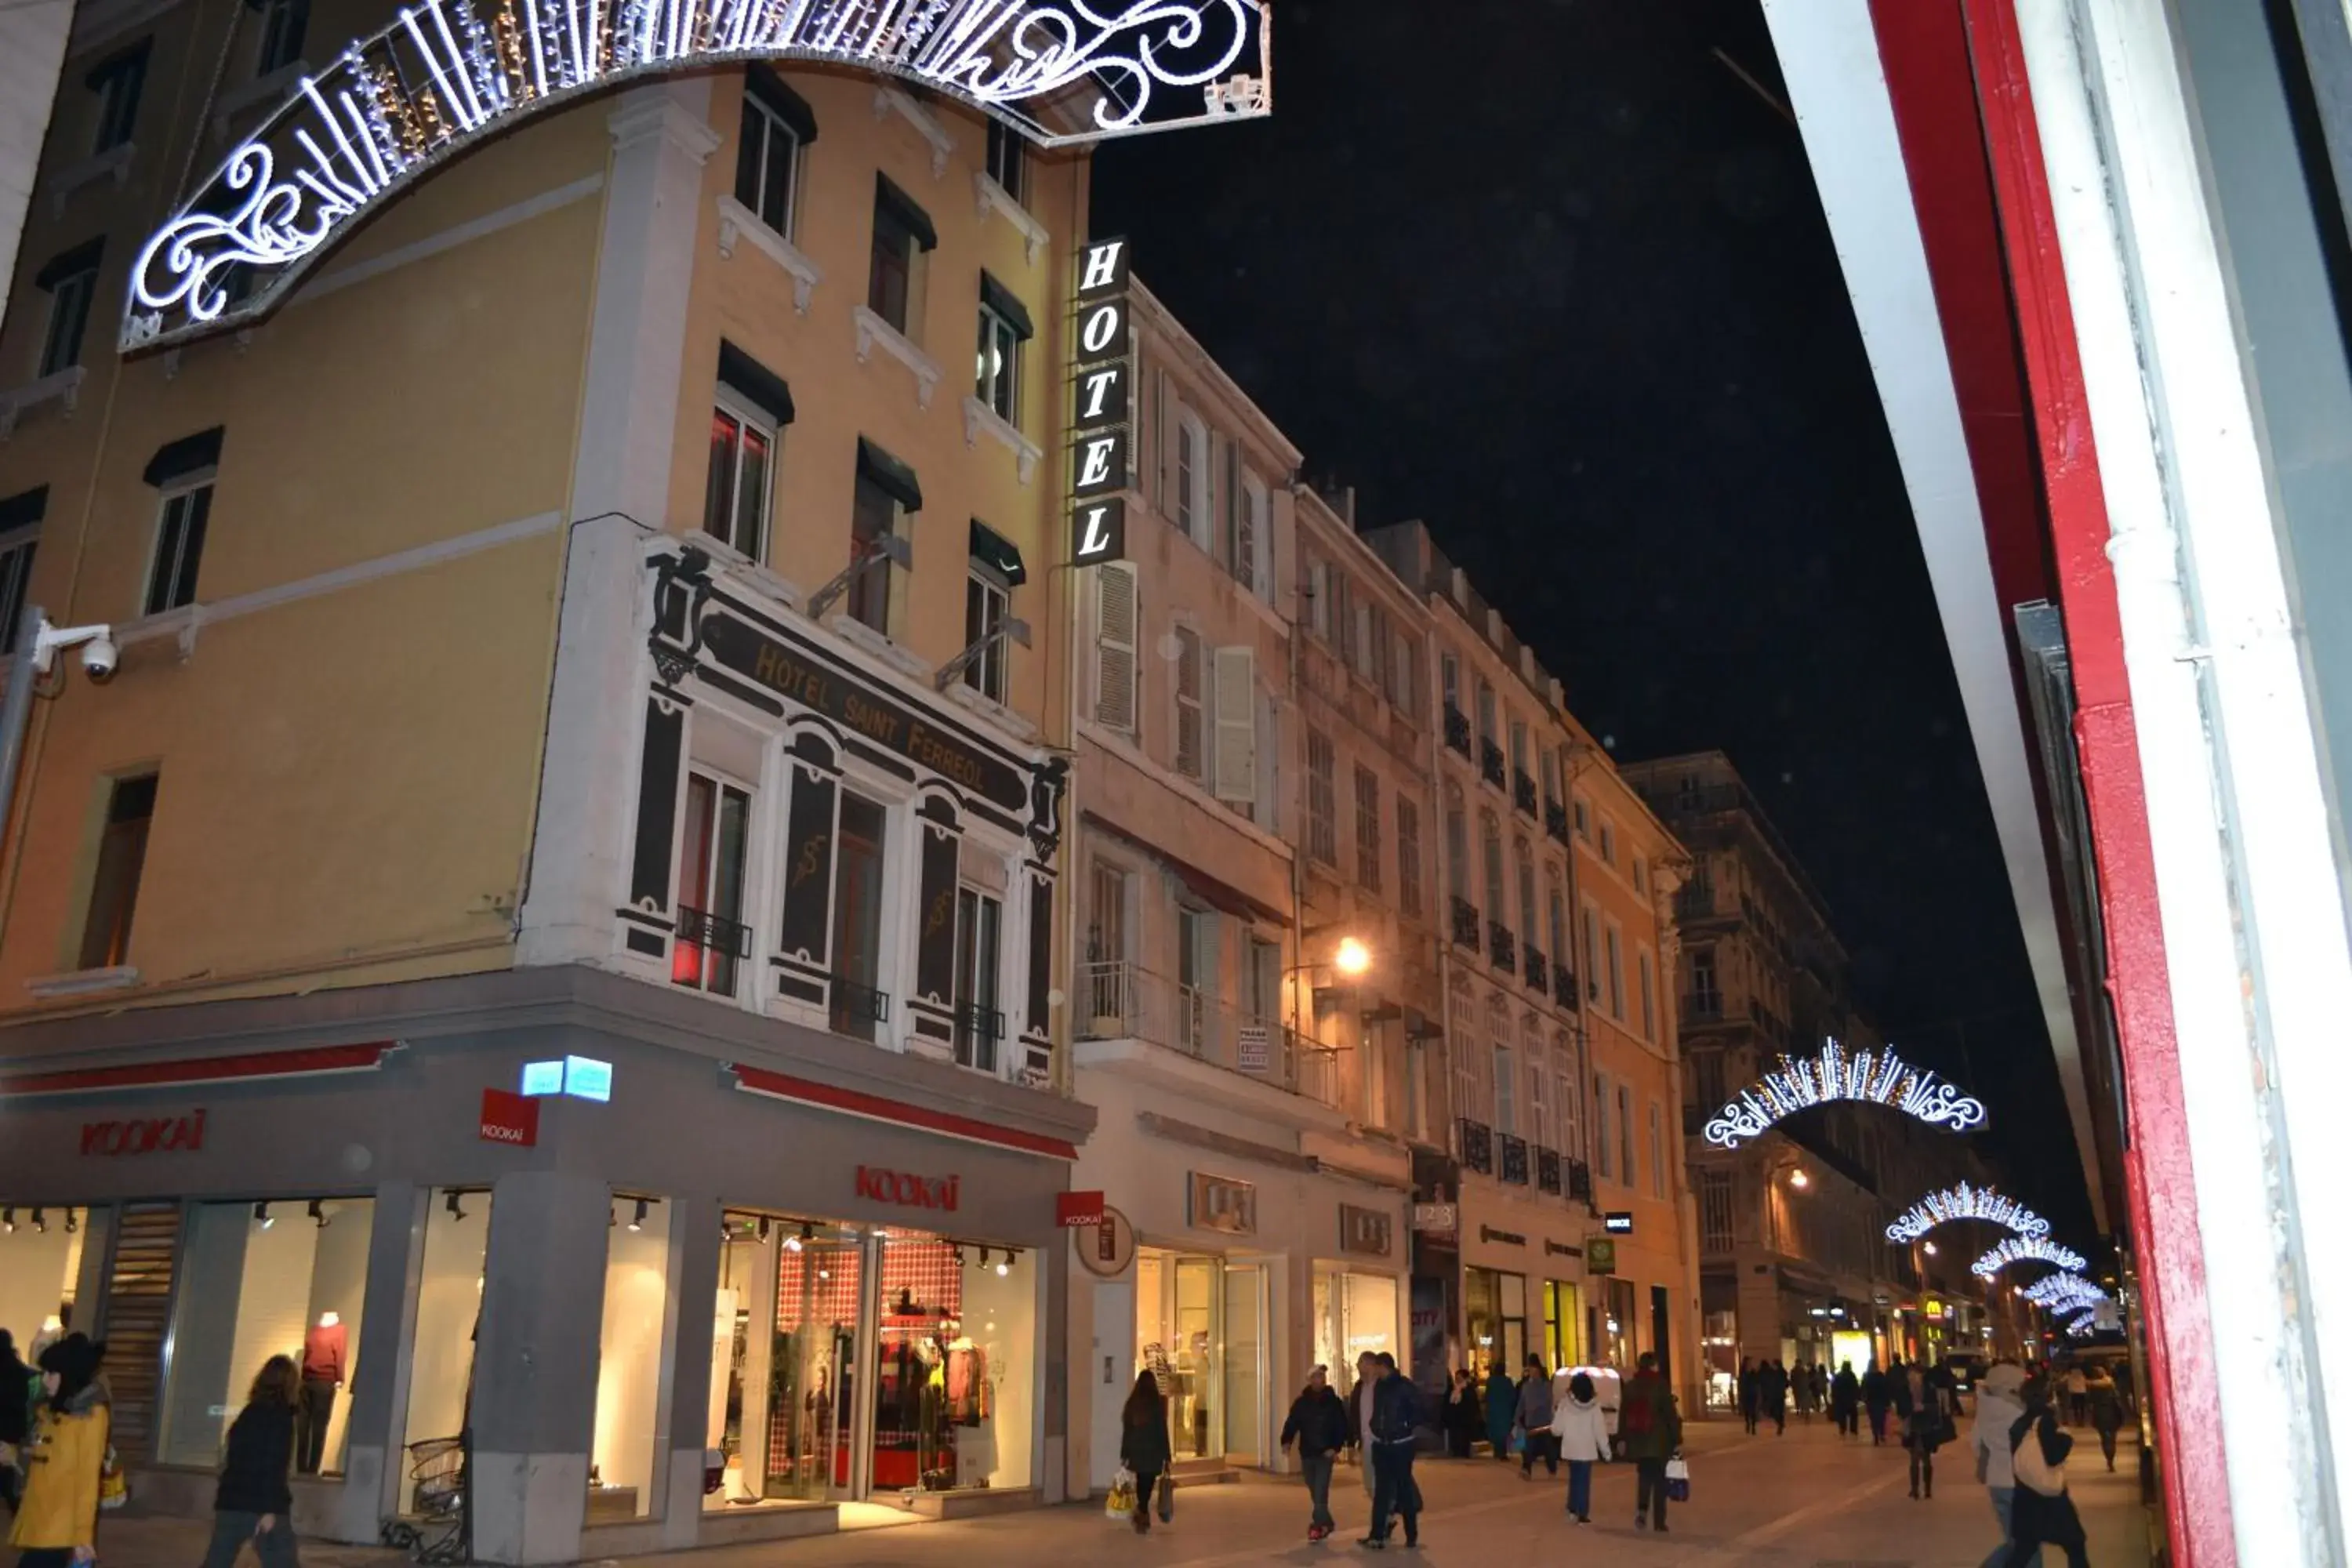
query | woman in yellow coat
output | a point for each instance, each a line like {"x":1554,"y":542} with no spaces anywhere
{"x":57,"y":1520}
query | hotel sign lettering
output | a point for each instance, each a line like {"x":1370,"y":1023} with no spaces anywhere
{"x":861,"y":710}
{"x":1103,"y":405}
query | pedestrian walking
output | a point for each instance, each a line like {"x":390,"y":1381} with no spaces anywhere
{"x":2000,"y":1404}
{"x":1751,"y":1393}
{"x":1821,"y":1376}
{"x":2106,"y":1406}
{"x":1845,"y":1400}
{"x":1502,"y":1406}
{"x":1320,"y":1425}
{"x":255,"y":1500}
{"x":1921,"y":1410}
{"x":57,"y":1518}
{"x":1877,"y":1397}
{"x":1800,"y":1390}
{"x":1533,"y":1417}
{"x":1143,"y":1443}
{"x":16,"y":1419}
{"x":1775,"y":1381}
{"x":1360,"y":1416}
{"x":2078,"y":1395}
{"x":1580,"y":1430}
{"x":1653,"y":1429}
{"x":2042,"y":1510}
{"x":1396,"y":1426}
{"x":1464,"y":1414}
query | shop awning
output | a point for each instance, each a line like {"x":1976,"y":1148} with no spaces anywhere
{"x":897,"y":480}
{"x":875,"y":1108}
{"x":998,"y":553}
{"x":905,"y":211}
{"x":1007,"y":305}
{"x":188,"y":455}
{"x":24,"y":508}
{"x":316,"y":1062}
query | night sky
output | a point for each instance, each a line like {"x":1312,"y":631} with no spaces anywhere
{"x":1550,"y":276}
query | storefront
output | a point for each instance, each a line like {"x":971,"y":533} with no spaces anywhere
{"x":712,"y":1285}
{"x":1494,"y":1321}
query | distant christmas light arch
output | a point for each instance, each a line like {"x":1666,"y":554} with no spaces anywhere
{"x":2062,"y":1292}
{"x":1965,"y":1202}
{"x":2026,"y":1249}
{"x":1880,"y":1078}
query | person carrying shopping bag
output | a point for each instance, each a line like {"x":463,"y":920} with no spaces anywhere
{"x":1143,"y":1443}
{"x":1651,"y":1425}
{"x":65,"y":1459}
{"x":1579,"y":1432}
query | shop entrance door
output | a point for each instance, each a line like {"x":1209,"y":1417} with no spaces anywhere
{"x":1179,"y":1335}
{"x":1245,"y":1364}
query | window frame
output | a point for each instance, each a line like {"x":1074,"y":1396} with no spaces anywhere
{"x":747,"y":416}
{"x":1189,"y":661}
{"x":1410,"y":900}
{"x":1004,"y":159}
{"x":19,"y":551}
{"x":187,"y":565}
{"x":282,"y":39}
{"x":722,"y":787}
{"x":120,"y":84}
{"x":107,"y":921}
{"x":771,"y":124}
{"x":1368,"y":829}
{"x":67,"y":325}
{"x":981,"y":907}
{"x":999,"y":388}
{"x":1322,"y":798}
{"x":986,"y":591}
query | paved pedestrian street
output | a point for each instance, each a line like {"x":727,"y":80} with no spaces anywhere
{"x":1805,"y":1501}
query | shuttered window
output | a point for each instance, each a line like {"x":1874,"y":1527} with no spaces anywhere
{"x":138,"y":1312}
{"x":1190,"y":760}
{"x":1234,"y":692}
{"x":1322,"y":804}
{"x":1116,"y":615}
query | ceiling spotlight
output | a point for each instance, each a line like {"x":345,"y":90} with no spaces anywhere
{"x":764,"y":1227}
{"x":262,"y":1215}
{"x":637,"y":1220}
{"x":41,"y":1222}
{"x":1004,"y":1265}
{"x":456,"y":1210}
{"x":983,"y":1257}
{"x":319,"y":1212}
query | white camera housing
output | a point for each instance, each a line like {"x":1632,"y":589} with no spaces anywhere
{"x":99,"y":657}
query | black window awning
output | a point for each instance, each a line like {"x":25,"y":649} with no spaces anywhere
{"x":895,"y":478}
{"x":1007,"y":306}
{"x":24,"y":509}
{"x":998,"y":553}
{"x":83,"y":258}
{"x":769,"y":90}
{"x":755,"y":383}
{"x":188,"y":455}
{"x":902,"y":210}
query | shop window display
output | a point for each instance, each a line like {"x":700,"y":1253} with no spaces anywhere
{"x":957,"y":1333}
{"x":1181,"y":1337}
{"x":1495,"y":1313}
{"x":280,"y":1277}
{"x":40,"y":1259}
{"x":448,"y":1318}
{"x":621,"y":1471}
{"x":1355,"y":1314}
{"x":1563,"y":1328}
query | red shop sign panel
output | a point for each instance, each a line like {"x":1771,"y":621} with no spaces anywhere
{"x":511,"y":1119}
{"x":906,"y":1189}
{"x":145,"y":1135}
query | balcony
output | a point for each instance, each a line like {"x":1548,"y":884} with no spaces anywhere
{"x":1547,"y":1171}
{"x":713,"y":933}
{"x":1123,"y":1001}
{"x":858,"y":1008}
{"x":977,"y":1031}
{"x":1490,"y":764}
{"x":1523,"y":793}
{"x":1556,"y":820}
{"x":1478,"y":1146}
{"x":1465,"y":922}
{"x":1579,"y":1180}
{"x":1563,"y":986}
{"x":1457,"y":728}
{"x":1502,"y":947}
{"x":1703,"y":1007}
{"x":1514,"y":1160}
{"x":1534,"y":970}
{"x":1694,"y":903}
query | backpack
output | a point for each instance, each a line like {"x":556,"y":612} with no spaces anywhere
{"x":2034,"y":1471}
{"x":1640,"y":1416}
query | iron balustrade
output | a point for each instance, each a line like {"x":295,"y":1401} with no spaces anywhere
{"x":1465,"y":922}
{"x":1514,"y":1160}
{"x":1556,"y":820}
{"x":1502,"y":947}
{"x":1533,"y":969}
{"x":713,"y":933}
{"x":1547,"y":1171}
{"x":858,"y":1008}
{"x":1457,"y":728}
{"x":1126,"y":1001}
{"x":1563,"y":986}
{"x":977,"y":1031}
{"x":1579,"y":1180}
{"x":1523,"y":793}
{"x":1490,"y":764}
{"x":1478,"y":1146}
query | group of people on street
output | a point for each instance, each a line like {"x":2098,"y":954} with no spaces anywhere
{"x":1765,"y":1387}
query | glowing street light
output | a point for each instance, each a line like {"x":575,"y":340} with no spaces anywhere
{"x":1799,"y":1180}
{"x":1353,"y":957}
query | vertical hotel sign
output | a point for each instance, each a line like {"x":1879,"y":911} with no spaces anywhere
{"x":1101,"y":423}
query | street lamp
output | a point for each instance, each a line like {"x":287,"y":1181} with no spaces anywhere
{"x":1353,"y":957}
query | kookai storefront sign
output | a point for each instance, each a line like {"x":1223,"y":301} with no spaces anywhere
{"x":1104,"y":401}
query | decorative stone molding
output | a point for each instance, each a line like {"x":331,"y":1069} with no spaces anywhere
{"x":62,"y":387}
{"x":994,"y":198}
{"x":873,"y":332}
{"x":738,"y":222}
{"x":114,"y":162}
{"x":979,"y":416}
{"x":83,"y":982}
{"x":888,"y":98}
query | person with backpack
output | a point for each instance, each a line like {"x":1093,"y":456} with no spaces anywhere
{"x":1580,"y":1432}
{"x":255,"y":1501}
{"x":1652,"y":1426}
{"x":2042,"y":1510}
{"x":1318,"y":1424}
{"x":1396,"y":1431}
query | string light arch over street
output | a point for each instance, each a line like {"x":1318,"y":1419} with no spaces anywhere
{"x":1874,"y":1077}
{"x":2026,"y":1249}
{"x":448,"y":75}
{"x":1965,"y":1202}
{"x":2061,"y":1293}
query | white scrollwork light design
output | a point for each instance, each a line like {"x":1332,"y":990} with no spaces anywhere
{"x":2026,"y":1249}
{"x":1966,"y":1201}
{"x":2062,"y":1292}
{"x":448,"y":74}
{"x":1879,"y":1078}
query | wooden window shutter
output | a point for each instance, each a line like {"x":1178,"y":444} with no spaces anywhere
{"x":1236,"y":737}
{"x":1116,"y":626}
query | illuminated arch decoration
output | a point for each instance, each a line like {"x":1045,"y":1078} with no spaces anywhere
{"x":2063,"y":1293}
{"x":1965,"y":1202}
{"x":1873,"y":1078}
{"x":2026,"y":1249}
{"x":448,"y":75}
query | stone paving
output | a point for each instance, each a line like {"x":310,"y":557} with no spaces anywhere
{"x":1808,"y":1499}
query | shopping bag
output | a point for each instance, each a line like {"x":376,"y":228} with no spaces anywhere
{"x":1677,"y":1479}
{"x":1167,"y":1498}
{"x":1120,"y":1504}
{"x":113,"y":1486}
{"x":1518,"y":1441}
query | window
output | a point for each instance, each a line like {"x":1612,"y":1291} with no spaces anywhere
{"x":1262,"y":977}
{"x":1714,"y":1211}
{"x":1528,"y":930}
{"x":179,"y":547}
{"x":986,"y":602}
{"x":1539,"y":1130}
{"x":1405,"y":670}
{"x":1557,"y":909}
{"x":1319,"y":598}
{"x":1408,"y":842}
{"x":1115,"y":671}
{"x":1583,"y":819}
{"x":283,"y":24}
{"x":1196,"y":975}
{"x":117,"y":84}
{"x":1322,"y":804}
{"x":1592,"y":954}
{"x":1706,"y":993}
{"x":980,"y":1021}
{"x":1449,"y":681}
{"x":630,"y":1358}
{"x":1486,"y":712}
{"x":1233,"y":736}
{"x":859,"y":866}
{"x":1368,"y":829}
{"x":1457,"y":844}
{"x":902,"y":233}
{"x":1106,"y":916}
{"x":1608,"y":842}
{"x":1005,"y":160}
{"x":1519,"y":747}
{"x":1190,"y":758}
{"x":1551,"y":760}
{"x":1506,"y":1093}
{"x":751,"y":405}
{"x":1251,"y":537}
{"x":711,"y":939}
{"x":1192,"y":479}
{"x":20,"y":540}
{"x":1649,"y":996}
{"x":1490,"y":834}
{"x":1625,"y":1133}
{"x":1657,"y":1150}
{"x":1231,"y":546}
{"x":1602,"y":1149}
{"x":1616,"y":943}
{"x":1005,"y":326}
{"x":1338,"y":623}
{"x":71,"y":280}
{"x":884,"y":487}
{"x":1641,"y":875}
{"x":777,"y":125}
{"x":121,"y":857}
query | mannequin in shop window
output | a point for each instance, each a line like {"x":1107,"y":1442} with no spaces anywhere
{"x":324,"y":1367}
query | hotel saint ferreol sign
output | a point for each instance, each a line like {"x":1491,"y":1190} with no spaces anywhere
{"x":1103,"y":392}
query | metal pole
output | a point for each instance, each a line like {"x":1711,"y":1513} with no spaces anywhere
{"x":16,"y":707}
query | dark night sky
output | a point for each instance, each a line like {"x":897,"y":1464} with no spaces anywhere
{"x":1547,"y":274}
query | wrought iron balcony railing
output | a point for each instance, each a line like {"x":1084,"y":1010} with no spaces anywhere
{"x":1514,"y":1160}
{"x":858,"y":1008}
{"x":1556,"y":820}
{"x":1523,"y":793}
{"x":1563,"y":985}
{"x":977,"y":1031}
{"x":1490,"y":764}
{"x":1502,"y":947}
{"x":1534,"y":970}
{"x":1579,"y":1180}
{"x":1477,"y":1141}
{"x":1465,"y":922}
{"x":713,"y":933}
{"x":1547,"y":1170}
{"x":1457,"y":728}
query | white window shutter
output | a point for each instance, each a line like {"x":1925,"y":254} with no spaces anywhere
{"x":1319,"y":599}
{"x":1236,"y":738}
{"x":1117,"y":618}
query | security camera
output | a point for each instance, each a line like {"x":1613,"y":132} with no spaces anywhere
{"x":98,"y":657}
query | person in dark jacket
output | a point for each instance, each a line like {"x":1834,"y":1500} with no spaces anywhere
{"x":1396,"y":1431}
{"x":2036,"y":1519}
{"x":1319,"y":1424}
{"x":1651,"y":1425}
{"x":2106,"y":1413}
{"x":1919,"y":1406}
{"x":1143,"y":1443}
{"x":16,"y":1417}
{"x":1774,"y":1386}
{"x":1845,"y":1400}
{"x":1464,"y":1414}
{"x":1502,"y":1406}
{"x":255,"y":1501}
{"x":1532,"y":1414}
{"x":1877,"y":1398}
{"x":1751,"y":1393}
